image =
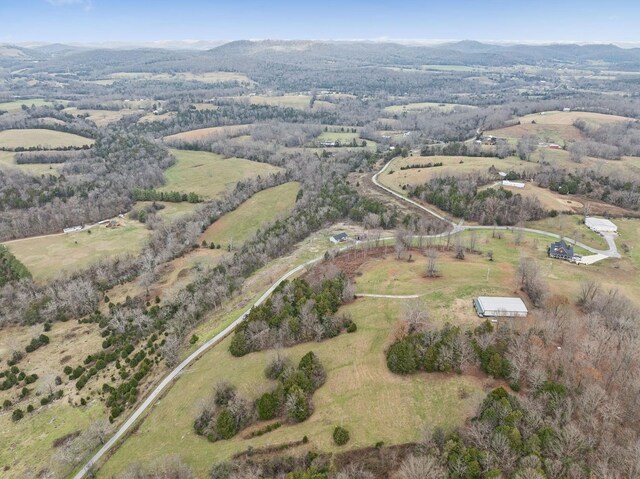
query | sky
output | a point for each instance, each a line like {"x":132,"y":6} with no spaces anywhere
{"x":82,"y":21}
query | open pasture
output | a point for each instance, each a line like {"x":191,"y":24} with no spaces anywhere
{"x":263,"y":207}
{"x":36,"y":137}
{"x":46,"y":256}
{"x":209,"y":174}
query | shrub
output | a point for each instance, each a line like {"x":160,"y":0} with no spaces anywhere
{"x":224,"y":393}
{"x":268,"y":406}
{"x":401,"y":358}
{"x":226,"y":426}
{"x":17,"y":414}
{"x":340,"y":436}
{"x":6,"y":404}
{"x":30,"y":408}
{"x":312,"y":368}
{"x":352,"y":328}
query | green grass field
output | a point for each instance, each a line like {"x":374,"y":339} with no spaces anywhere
{"x":208,"y":174}
{"x":8,"y":162}
{"x":397,"y":109}
{"x":47,"y":256}
{"x":34,"y":137}
{"x":239,"y":225}
{"x":395,"y":178}
{"x":360,"y":394}
{"x":171,"y":211}
{"x":17,"y":104}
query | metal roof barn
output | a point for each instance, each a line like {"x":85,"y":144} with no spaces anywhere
{"x":600,"y":225}
{"x":496,"y":306}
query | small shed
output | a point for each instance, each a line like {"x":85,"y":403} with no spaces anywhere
{"x":339,"y":238}
{"x":498,"y":306}
{"x":600,"y":225}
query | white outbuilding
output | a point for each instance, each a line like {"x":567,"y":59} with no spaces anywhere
{"x":513,"y":184}
{"x":498,"y":306}
{"x":600,"y":225}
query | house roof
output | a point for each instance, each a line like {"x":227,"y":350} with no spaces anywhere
{"x":340,"y":236}
{"x":562,"y":247}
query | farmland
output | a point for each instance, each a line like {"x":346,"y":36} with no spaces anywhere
{"x":395,"y":178}
{"x":47,"y":256}
{"x":237,"y":226}
{"x":209,"y":174}
{"x":18,"y":104}
{"x":100,"y":117}
{"x":413,"y":107}
{"x":32,"y":137}
{"x":212,"y":132}
{"x":7,"y":161}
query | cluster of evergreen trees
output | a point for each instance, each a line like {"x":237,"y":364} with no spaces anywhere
{"x":228,"y":413}
{"x":11,"y":268}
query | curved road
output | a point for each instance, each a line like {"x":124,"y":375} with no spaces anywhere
{"x":612,"y":252}
{"x":456,"y":228}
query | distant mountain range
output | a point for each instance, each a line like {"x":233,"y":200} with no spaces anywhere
{"x":233,"y":55}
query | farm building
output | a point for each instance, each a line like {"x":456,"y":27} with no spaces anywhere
{"x":73,"y":229}
{"x":562,"y":250}
{"x":600,"y":225}
{"x":496,"y":306}
{"x":514,"y":184}
{"x":339,"y":238}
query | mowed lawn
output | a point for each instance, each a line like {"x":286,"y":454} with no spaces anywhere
{"x":395,"y":178}
{"x":240,"y":224}
{"x":209,"y":174}
{"x":36,"y":137}
{"x":360,"y":394}
{"x":47,"y":256}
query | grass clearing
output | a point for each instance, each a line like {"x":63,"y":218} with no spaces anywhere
{"x":571,"y":226}
{"x":425,"y":105}
{"x":8,"y":162}
{"x":263,"y":207}
{"x":360,"y":393}
{"x":36,"y":137}
{"x":209,"y":174}
{"x":395,"y":178}
{"x":18,"y":104}
{"x":46,"y":256}
{"x":207,"y":77}
{"x":101,"y":117}
{"x":171,"y":211}
{"x":211,"y":132}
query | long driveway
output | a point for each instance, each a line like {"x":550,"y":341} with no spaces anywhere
{"x":612,"y":252}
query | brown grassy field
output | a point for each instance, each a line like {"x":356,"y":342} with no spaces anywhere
{"x":395,"y":178}
{"x":49,"y":255}
{"x":213,"y":132}
{"x":32,"y":137}
{"x":8,"y":162}
{"x":209,"y":174}
{"x":101,"y":117}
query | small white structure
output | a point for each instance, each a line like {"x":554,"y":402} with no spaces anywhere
{"x":502,"y":174}
{"x":600,"y":225}
{"x":73,"y":229}
{"x":514,"y":184}
{"x":566,"y":109}
{"x":497,"y":306}
{"x":339,"y":238}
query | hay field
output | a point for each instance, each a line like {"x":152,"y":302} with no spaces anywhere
{"x":208,"y":174}
{"x":47,"y":256}
{"x":35,"y":137}
{"x":8,"y":162}
{"x":211,"y":132}
{"x":263,"y":207}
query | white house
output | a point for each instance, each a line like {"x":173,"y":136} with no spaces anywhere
{"x":496,"y":306}
{"x":514,"y":184}
{"x":600,"y":225}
